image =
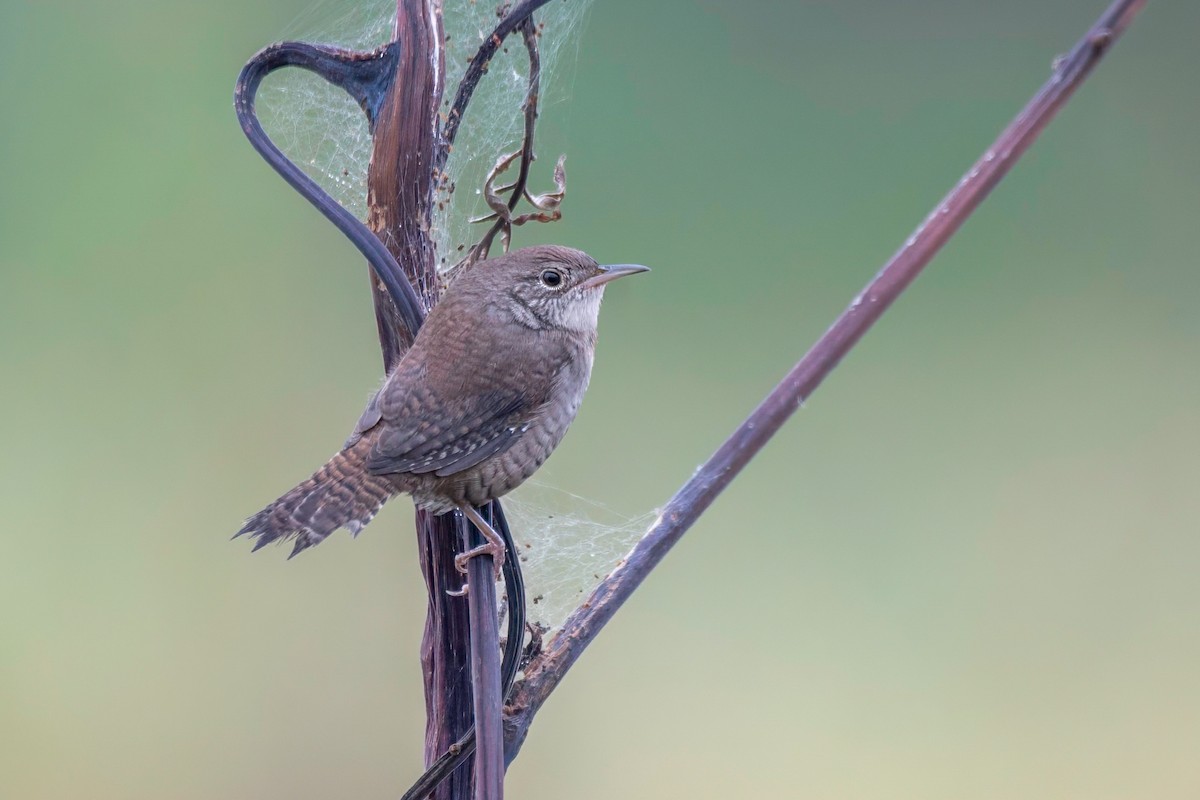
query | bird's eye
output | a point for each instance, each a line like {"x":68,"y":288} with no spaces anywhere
{"x":552,"y":278}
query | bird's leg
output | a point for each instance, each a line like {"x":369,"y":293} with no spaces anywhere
{"x":494,"y":546}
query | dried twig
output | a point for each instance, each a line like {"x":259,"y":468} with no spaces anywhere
{"x":476,"y":69}
{"x":546,"y":671}
{"x":502,"y":213}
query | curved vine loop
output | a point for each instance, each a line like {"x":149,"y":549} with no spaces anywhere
{"x":364,"y":76}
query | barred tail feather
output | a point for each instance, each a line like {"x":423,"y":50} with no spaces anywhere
{"x":341,"y":494}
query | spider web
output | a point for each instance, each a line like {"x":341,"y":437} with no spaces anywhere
{"x":566,"y":543}
{"x":325,"y":132}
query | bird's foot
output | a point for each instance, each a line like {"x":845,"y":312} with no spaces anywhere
{"x":485,"y":549}
{"x":494,"y":546}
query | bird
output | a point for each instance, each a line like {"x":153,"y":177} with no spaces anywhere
{"x":487,"y":390}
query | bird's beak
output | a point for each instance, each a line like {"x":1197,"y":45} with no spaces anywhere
{"x":611,"y":272}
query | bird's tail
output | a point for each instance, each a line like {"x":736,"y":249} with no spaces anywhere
{"x":341,"y":494}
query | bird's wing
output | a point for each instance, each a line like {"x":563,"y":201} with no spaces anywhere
{"x":369,"y":419}
{"x":444,"y":409}
{"x":428,"y":433}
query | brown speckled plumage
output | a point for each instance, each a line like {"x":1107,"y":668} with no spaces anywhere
{"x":487,"y":391}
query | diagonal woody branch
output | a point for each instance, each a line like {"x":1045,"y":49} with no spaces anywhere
{"x":546,"y":671}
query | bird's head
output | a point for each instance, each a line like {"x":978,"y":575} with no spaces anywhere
{"x":547,"y":286}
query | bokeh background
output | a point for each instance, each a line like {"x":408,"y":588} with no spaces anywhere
{"x":966,"y":568}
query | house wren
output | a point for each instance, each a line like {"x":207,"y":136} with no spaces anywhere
{"x":484,"y":395}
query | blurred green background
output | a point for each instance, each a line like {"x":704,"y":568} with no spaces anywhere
{"x":966,"y":568}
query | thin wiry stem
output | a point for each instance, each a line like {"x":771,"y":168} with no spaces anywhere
{"x":547,"y":670}
{"x":504,"y":222}
{"x":476,"y":69}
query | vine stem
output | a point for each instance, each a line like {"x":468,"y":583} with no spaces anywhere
{"x":486,"y":686}
{"x":545,"y":673}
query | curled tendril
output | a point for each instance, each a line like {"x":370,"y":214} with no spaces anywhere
{"x":548,"y":205}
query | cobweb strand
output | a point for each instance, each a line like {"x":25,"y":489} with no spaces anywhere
{"x":567,"y":544}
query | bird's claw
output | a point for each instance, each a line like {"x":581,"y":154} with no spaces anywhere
{"x":485,"y":549}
